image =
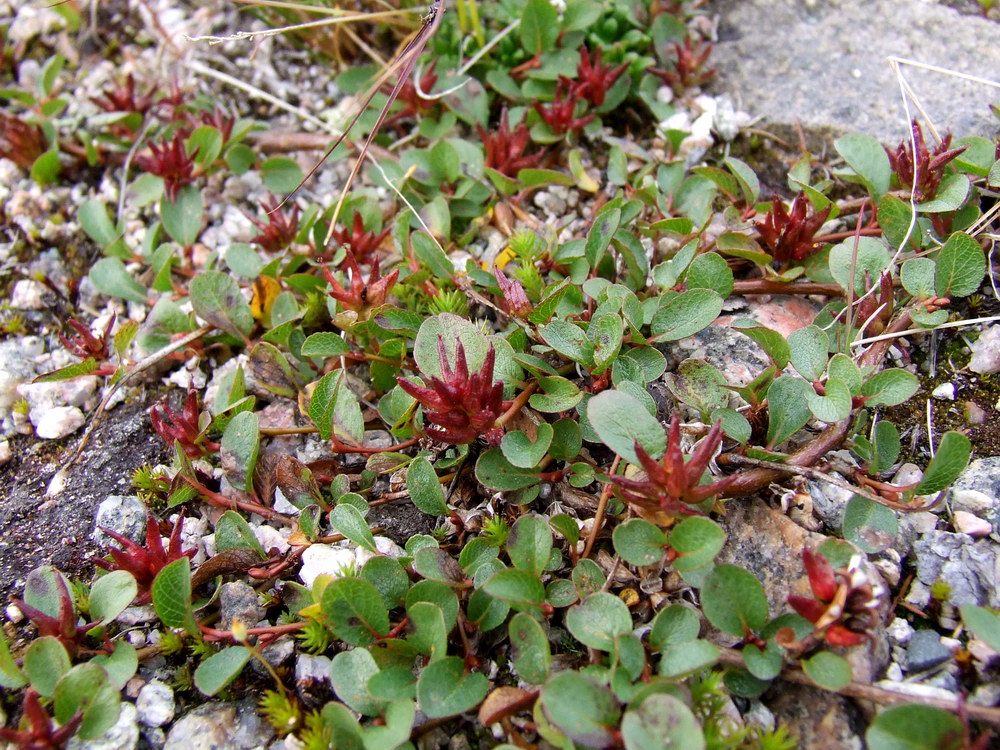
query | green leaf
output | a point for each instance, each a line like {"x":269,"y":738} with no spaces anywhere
{"x":334,"y":409}
{"x":620,"y":420}
{"x":111,"y":594}
{"x":873,"y":258}
{"x":281,"y":174}
{"x":539,"y":26}
{"x":913,"y":727}
{"x":828,"y":670}
{"x":894,"y":217}
{"x":843,"y":368}
{"x":446,"y":689}
{"x":524,"y":453}
{"x":435,"y":564}
{"x":392,"y":683}
{"x":868,"y":159}
{"x":355,"y":610}
{"x":341,"y":722}
{"x":350,"y":672}
{"x":519,"y":588}
{"x":241,"y":440}
{"x":835,"y":405}
{"x":961,"y":266}
{"x":529,"y":544}
{"x":949,"y":462}
{"x":449,"y":327}
{"x":87,"y":688}
{"x":493,"y":470}
{"x":917,"y":276}
{"x":787,"y":409}
{"x":885,"y":446}
{"x":661,"y":720}
{"x":697,"y":540}
{"x":890,"y":387}
{"x":685,"y":314}
{"x":600,"y":234}
{"x":710,"y":271}
{"x":687,"y":658}
{"x":869,"y":525}
{"x":639,"y":542}
{"x":427,"y":250}
{"x":172,"y":596}
{"x":605,"y":332}
{"x":108,"y":275}
{"x":221,"y":668}
{"x":430,"y":634}
{"x":217,"y":299}
{"x":733,"y":600}
{"x":569,"y":340}
{"x":584,"y":711}
{"x":425,"y":490}
{"x":96,"y":222}
{"x":69,"y":372}
{"x":770,"y":341}
{"x":808,"y":346}
{"x":699,"y":385}
{"x":530,"y":650}
{"x":598,"y":620}
{"x":325,"y":344}
{"x":11,"y":677}
{"x":983,"y":623}
{"x":673,"y":625}
{"x":399,"y":717}
{"x":348,"y":520}
{"x":556,"y":394}
{"x":182,"y":217}
{"x":45,"y":661}
{"x":763,"y":664}
{"x":121,"y":664}
{"x":950,"y":196}
{"x":232,"y":531}
{"x":388,"y":576}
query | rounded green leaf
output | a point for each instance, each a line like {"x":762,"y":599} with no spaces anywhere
{"x":620,"y":420}
{"x":435,"y":564}
{"x":733,"y":600}
{"x":869,"y":525}
{"x":355,"y":610}
{"x":520,"y":589}
{"x":913,"y":727}
{"x":493,"y":470}
{"x":348,"y":520}
{"x":45,"y":661}
{"x":949,"y":462}
{"x":873,"y":258}
{"x":281,"y":174}
{"x":834,"y":405}
{"x":828,"y":670}
{"x":430,"y":635}
{"x":450,"y":328}
{"x":325,"y":344}
{"x":529,"y":544}
{"x":889,"y":387}
{"x":808,"y":347}
{"x":111,"y":594}
{"x":660,"y":721}
{"x":217,"y":299}
{"x":598,"y":620}
{"x":687,"y":658}
{"x":984,"y":624}
{"x":555,"y":394}
{"x":108,"y":275}
{"x":697,"y":540}
{"x":530,"y":650}
{"x":392,"y":684}
{"x":685,"y":314}
{"x":232,"y":531}
{"x":221,"y":668}
{"x":673,"y":625}
{"x":182,"y":217}
{"x":868,"y":159}
{"x":582,"y":710}
{"x":524,"y":453}
{"x":639,"y":542}
{"x":88,"y":689}
{"x":424,"y":488}
{"x":241,"y":440}
{"x":763,"y":664}
{"x":388,"y":576}
{"x":446,"y":689}
{"x":172,"y":596}
{"x":350,"y":672}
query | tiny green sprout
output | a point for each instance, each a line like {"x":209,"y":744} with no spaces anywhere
{"x":940,"y":590}
{"x":281,"y":710}
{"x":14,"y":325}
{"x":316,"y":735}
{"x":183,"y":678}
{"x":315,"y":637}
{"x":171,"y":643}
{"x":200,"y":648}
{"x":440,"y":533}
{"x":495,"y":531}
{"x":445,"y":301}
{"x":526,"y":245}
{"x":80,"y":591}
{"x":21,"y":406}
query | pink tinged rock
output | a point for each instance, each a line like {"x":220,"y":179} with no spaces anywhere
{"x":974,"y":526}
{"x":986,"y":352}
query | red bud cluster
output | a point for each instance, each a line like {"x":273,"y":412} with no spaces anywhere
{"x":789,"y":235}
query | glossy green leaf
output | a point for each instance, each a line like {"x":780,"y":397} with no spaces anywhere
{"x":172,"y":596}
{"x":529,"y":544}
{"x":348,"y":520}
{"x":220,"y":669}
{"x":584,"y":711}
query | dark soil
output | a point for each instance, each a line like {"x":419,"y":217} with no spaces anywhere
{"x":38,"y":531}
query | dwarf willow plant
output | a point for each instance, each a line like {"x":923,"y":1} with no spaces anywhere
{"x":542,"y":388}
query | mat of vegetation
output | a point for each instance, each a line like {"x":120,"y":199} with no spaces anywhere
{"x":558,"y":407}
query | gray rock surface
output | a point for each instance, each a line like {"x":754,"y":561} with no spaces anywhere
{"x":124,"y":735}
{"x":924,"y":651}
{"x":155,"y":704}
{"x":823,"y":63}
{"x":986,"y":351}
{"x":971,"y":570}
{"x":124,"y":514}
{"x":219,"y":726}
{"x":238,"y":600}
